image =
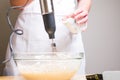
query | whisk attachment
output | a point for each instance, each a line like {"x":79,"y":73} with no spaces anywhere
{"x":53,"y":45}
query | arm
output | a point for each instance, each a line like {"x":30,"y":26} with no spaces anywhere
{"x":81,"y":13}
{"x":20,"y":2}
{"x":86,"y":4}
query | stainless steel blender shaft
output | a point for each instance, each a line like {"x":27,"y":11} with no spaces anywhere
{"x":47,"y":12}
{"x":46,"y":6}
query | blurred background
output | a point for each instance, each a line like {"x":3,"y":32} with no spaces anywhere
{"x":101,"y":40}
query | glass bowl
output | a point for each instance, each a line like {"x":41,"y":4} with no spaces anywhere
{"x":48,"y":65}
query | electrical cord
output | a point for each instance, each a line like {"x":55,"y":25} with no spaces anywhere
{"x":14,"y":31}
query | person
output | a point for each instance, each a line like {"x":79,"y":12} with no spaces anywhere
{"x":31,"y":22}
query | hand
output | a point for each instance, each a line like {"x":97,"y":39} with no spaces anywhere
{"x":80,"y":16}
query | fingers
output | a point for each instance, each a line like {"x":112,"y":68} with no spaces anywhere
{"x":82,"y":20}
{"x":81,"y":17}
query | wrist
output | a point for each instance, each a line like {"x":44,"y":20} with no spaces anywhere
{"x":84,"y":5}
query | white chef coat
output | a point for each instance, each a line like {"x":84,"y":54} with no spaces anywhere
{"x":35,"y":38}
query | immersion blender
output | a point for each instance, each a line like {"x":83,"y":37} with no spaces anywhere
{"x":47,"y":11}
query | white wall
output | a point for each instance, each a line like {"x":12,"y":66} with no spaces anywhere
{"x":102,"y":39}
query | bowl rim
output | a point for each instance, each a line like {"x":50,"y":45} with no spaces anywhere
{"x":47,"y":56}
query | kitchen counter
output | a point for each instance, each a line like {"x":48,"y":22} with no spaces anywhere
{"x":78,"y":77}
